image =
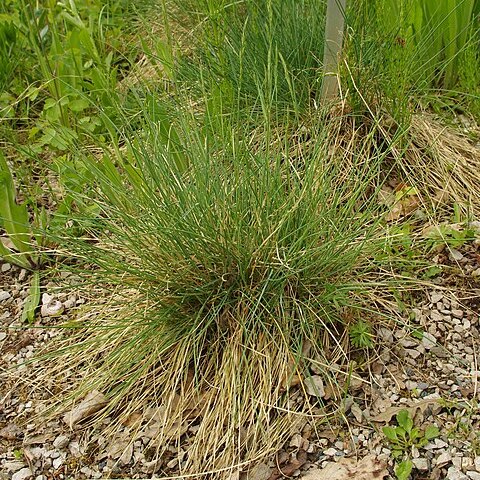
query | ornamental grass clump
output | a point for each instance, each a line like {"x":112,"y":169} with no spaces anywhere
{"x":219,"y":283}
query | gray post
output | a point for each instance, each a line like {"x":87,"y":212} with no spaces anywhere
{"x":333,"y":46}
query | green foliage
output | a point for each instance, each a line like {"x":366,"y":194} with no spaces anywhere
{"x":361,"y":334}
{"x":436,"y":32}
{"x":14,"y":219}
{"x":404,"y":469}
{"x":261,"y":55}
{"x":8,"y":39}
{"x":452,"y":235}
{"x":403,"y":437}
{"x":401,"y":52}
{"x":214,"y":207}
{"x":65,"y":60}
{"x":231,"y":237}
{"x":32,"y":300}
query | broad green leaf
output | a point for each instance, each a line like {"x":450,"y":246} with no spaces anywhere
{"x":397,"y":452}
{"x":431,"y":432}
{"x":414,"y":434}
{"x":78,"y":105}
{"x":404,"y":420}
{"x":404,"y":469}
{"x":390,"y":433}
{"x":12,"y":257}
{"x":13,"y":217}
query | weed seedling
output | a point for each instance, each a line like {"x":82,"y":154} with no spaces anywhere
{"x":361,"y":335}
{"x":403,"y":438}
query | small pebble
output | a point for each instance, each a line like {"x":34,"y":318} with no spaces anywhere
{"x":421,"y":464}
{"x":456,"y":474}
{"x":443,"y":459}
{"x":22,"y":474}
{"x":455,"y":255}
{"x":330,"y":452}
{"x":61,"y":441}
{"x":428,"y":340}
{"x":4,"y":295}
{"x":436,"y":297}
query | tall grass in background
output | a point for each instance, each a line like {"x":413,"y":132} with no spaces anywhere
{"x":253,"y":50}
{"x":414,"y":51}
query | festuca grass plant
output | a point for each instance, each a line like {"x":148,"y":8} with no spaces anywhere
{"x":219,"y":281}
{"x":236,"y":249}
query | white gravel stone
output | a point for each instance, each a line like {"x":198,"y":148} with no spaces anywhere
{"x":413,"y":353}
{"x":408,"y":343}
{"x":473,"y":475}
{"x":22,"y":474}
{"x":4,"y":295}
{"x":443,"y":459}
{"x":61,"y":441}
{"x":51,"y":307}
{"x":357,"y":413}
{"x":477,"y":464}
{"x":456,"y":474}
{"x":385,"y":334}
{"x":13,"y":466}
{"x":421,"y":464}
{"x":330,"y":452}
{"x":314,"y":386}
{"x":6,"y":267}
{"x":296,"y":441}
{"x":436,"y":297}
{"x":455,"y":255}
{"x":57,"y":463}
{"x":3,"y":336}
{"x":428,"y":340}
{"x":410,"y":384}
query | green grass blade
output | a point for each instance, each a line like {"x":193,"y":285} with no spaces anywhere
{"x":32,"y":300}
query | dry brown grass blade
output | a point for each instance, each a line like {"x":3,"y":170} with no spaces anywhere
{"x":239,"y":405}
{"x":446,"y":161}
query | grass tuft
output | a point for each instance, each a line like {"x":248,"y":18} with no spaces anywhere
{"x":223,"y":279}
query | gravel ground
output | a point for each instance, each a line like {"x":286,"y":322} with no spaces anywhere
{"x":435,"y":377}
